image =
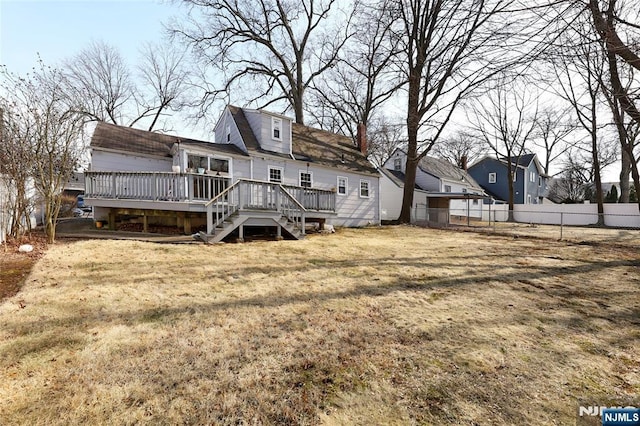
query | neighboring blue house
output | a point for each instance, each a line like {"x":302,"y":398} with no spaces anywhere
{"x":530,"y":181}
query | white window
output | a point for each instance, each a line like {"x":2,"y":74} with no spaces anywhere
{"x":228,"y":134}
{"x":397,"y":164}
{"x":529,"y":199}
{"x":492,"y":178}
{"x":306,"y":179}
{"x":276,"y":128}
{"x":447,"y":188}
{"x":364,"y":189}
{"x":342,"y":185}
{"x":539,"y":180}
{"x":275,"y":174}
{"x":532,"y":177}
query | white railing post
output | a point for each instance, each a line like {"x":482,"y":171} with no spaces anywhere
{"x":113,"y":185}
{"x":154,"y":187}
{"x":210,"y":226}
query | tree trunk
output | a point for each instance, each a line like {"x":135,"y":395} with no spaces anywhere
{"x":409,"y":185}
{"x":512,"y":200}
{"x":413,"y":124}
{"x":597,"y":177}
{"x":625,"y":173}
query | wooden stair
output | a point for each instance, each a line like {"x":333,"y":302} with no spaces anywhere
{"x":251,"y":218}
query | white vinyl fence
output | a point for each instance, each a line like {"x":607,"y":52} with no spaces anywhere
{"x":615,"y":215}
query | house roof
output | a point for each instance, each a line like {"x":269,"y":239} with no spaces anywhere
{"x":397,"y":177}
{"x":445,"y":170}
{"x":309,"y":144}
{"x":128,"y":139}
{"x":328,"y":149}
{"x":523,"y":162}
{"x":249,"y":138}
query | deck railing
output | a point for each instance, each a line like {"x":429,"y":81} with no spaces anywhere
{"x":313,"y":199}
{"x":247,"y":194}
{"x":154,"y":186}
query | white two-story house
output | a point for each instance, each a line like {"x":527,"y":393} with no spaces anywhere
{"x":261,"y":170}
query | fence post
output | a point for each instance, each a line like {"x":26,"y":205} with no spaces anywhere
{"x":494,"y":219}
{"x":561,"y":224}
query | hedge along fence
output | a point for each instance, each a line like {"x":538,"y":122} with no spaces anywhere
{"x":615,"y":215}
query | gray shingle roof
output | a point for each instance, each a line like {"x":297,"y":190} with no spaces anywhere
{"x":445,"y":170}
{"x":329,"y":149}
{"x":128,"y":139}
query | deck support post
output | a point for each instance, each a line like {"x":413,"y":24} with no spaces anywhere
{"x":241,"y":233}
{"x":210,"y":229}
{"x":279,"y":232}
{"x":187,"y":224}
{"x":145,"y":223}
{"x":112,"y":220}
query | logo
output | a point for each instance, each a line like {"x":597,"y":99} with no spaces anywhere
{"x":627,"y":416}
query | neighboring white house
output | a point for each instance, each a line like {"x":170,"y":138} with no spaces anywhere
{"x":439,"y":185}
{"x":261,"y":164}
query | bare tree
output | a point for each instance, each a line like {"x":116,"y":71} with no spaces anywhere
{"x":166,"y":79}
{"x":283,"y":45}
{"x":459,"y":148}
{"x":15,"y":167}
{"x":101,"y":78}
{"x":570,"y":187}
{"x":362,"y":79}
{"x":108,"y":91}
{"x":554,"y":126}
{"x":449,"y":48}
{"x":47,"y":122}
{"x":385,"y":136}
{"x":580,"y":77}
{"x":505,"y":120}
{"x":608,"y":19}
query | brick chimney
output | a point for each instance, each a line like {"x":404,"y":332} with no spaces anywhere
{"x":463,"y":163}
{"x":361,"y":138}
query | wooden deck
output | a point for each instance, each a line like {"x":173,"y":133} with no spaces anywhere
{"x":227,"y":205}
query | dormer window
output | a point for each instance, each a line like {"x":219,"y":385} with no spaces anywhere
{"x":276,"y":128}
{"x":228,"y":134}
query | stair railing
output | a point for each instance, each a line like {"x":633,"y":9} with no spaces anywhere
{"x":222,"y":205}
{"x":292,"y":209}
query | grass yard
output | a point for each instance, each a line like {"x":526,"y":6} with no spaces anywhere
{"x":396,"y":325}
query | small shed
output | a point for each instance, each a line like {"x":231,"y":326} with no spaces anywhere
{"x":437,"y":211}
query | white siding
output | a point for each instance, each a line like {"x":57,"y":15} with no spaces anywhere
{"x":391,"y":197}
{"x":350,"y":208}
{"x":397,"y":155}
{"x":226,"y":123}
{"x":260,"y":123}
{"x":111,"y":161}
{"x":428,"y":182}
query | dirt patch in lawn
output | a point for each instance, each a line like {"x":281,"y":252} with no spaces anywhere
{"x":393,"y":325}
{"x":15,"y":266}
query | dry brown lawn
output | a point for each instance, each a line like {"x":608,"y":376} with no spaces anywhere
{"x":395,"y":325}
